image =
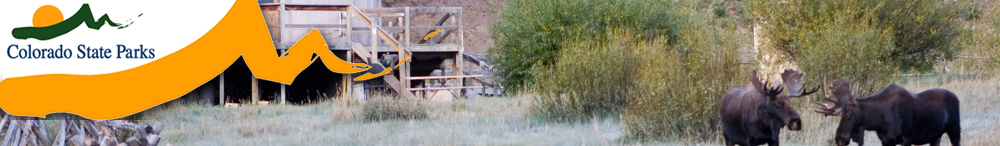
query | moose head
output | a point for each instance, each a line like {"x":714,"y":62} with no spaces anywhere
{"x":777,"y":104}
{"x":841,"y":101}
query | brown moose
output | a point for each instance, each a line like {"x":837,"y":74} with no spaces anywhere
{"x":898,"y":116}
{"x":754,"y":115}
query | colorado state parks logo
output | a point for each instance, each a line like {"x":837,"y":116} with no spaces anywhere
{"x":48,"y":23}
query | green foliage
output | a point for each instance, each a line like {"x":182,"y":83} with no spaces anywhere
{"x":593,"y":77}
{"x":864,"y":41}
{"x":530,"y":33}
{"x":662,"y":90}
{"x":608,"y":58}
{"x":678,"y":90}
{"x":845,"y":50}
{"x":921,"y":30}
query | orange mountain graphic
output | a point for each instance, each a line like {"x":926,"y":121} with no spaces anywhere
{"x":242,"y":32}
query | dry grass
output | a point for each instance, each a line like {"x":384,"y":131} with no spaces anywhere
{"x":381,"y":108}
{"x":500,"y":121}
{"x":480,"y":121}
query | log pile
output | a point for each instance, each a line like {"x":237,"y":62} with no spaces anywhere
{"x":30,"y":131}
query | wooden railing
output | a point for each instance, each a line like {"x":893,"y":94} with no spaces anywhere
{"x":398,"y":82}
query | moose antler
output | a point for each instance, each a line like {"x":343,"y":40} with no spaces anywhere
{"x":832,"y":105}
{"x":763,"y":88}
{"x":828,"y":106}
{"x":793,"y":80}
{"x":772,"y":91}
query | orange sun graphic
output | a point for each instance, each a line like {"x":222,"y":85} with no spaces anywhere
{"x":47,"y":15}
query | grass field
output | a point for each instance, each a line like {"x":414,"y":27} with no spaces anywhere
{"x":497,"y":121}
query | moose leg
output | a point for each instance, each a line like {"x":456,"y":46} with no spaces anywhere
{"x":774,"y":137}
{"x":859,"y":137}
{"x":936,"y":142}
{"x":907,"y":142}
{"x":955,"y":135}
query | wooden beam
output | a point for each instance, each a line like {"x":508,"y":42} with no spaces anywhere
{"x":444,"y":77}
{"x":374,"y":51}
{"x":404,"y":68}
{"x":439,"y":23}
{"x":458,"y":57}
{"x":397,"y":29}
{"x":444,"y":88}
{"x":381,"y":33}
{"x":360,"y":50}
{"x":348,"y":31}
{"x":414,"y":10}
{"x":392,"y":81}
{"x":303,"y":7}
{"x":308,"y":26}
{"x":346,"y":92}
{"x":222,"y":88}
{"x":389,"y":14}
{"x":281,"y":23}
{"x":254,"y":96}
{"x":283,"y":95}
{"x":481,"y":81}
{"x":473,"y":59}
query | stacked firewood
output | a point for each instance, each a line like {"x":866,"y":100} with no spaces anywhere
{"x":30,"y":131}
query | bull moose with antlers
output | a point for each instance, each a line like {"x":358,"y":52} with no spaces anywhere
{"x":898,"y":116}
{"x":754,"y":115}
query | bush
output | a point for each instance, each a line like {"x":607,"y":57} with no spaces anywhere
{"x":622,"y":58}
{"x":530,"y":33}
{"x":865,"y":41}
{"x":389,"y":108}
{"x":592,"y":78}
{"x":678,"y":88}
{"x":661,"y":90}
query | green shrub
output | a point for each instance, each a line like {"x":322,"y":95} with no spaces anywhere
{"x":865,"y":41}
{"x":843,"y":50}
{"x":592,"y":77}
{"x":921,"y":30}
{"x":623,"y":58}
{"x":678,"y":89}
{"x":530,"y":33}
{"x":661,"y":90}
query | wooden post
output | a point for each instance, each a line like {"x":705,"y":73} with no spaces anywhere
{"x":459,"y":58}
{"x":404,"y":67}
{"x":222,"y":88}
{"x":374,"y":58}
{"x":350,"y":29}
{"x":347,"y":91}
{"x":283,"y":94}
{"x":281,"y":26}
{"x":254,"y":96}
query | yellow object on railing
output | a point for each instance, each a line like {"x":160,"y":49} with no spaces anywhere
{"x":429,"y":35}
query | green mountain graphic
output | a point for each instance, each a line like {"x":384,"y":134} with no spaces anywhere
{"x":81,"y":16}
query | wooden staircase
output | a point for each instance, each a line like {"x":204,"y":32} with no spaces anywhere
{"x":392,"y":81}
{"x":399,"y":82}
